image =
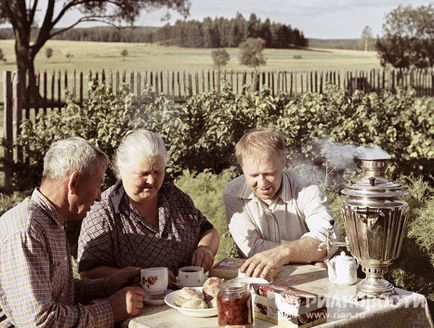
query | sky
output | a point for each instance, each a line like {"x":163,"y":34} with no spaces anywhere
{"x":323,"y":19}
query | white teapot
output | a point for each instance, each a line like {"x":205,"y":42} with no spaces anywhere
{"x":342,"y":269}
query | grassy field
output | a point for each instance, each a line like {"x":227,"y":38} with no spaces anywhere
{"x":96,"y":56}
{"x":99,"y":55}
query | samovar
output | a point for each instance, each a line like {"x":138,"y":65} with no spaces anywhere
{"x":375,"y":219}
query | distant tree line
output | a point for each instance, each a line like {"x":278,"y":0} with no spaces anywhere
{"x":210,"y":33}
{"x":222,"y":32}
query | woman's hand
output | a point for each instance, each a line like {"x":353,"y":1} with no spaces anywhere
{"x":203,"y":257}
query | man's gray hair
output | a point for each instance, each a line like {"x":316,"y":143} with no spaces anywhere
{"x":137,"y":144}
{"x":73,"y":154}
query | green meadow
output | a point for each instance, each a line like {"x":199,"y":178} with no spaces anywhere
{"x":96,"y":56}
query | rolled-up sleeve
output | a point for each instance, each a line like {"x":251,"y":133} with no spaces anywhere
{"x":313,"y":202}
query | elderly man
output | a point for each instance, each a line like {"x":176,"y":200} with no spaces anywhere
{"x":36,"y":283}
{"x":275,"y":216}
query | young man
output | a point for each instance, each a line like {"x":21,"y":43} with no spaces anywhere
{"x":275,"y":216}
{"x":36,"y":283}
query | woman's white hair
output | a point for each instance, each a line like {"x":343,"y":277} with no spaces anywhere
{"x":73,"y":154}
{"x":137,"y":144}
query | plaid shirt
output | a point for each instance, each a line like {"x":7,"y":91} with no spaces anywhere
{"x":114,"y":233}
{"x":37,"y":288}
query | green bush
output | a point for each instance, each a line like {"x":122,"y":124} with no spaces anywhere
{"x":401,"y":124}
{"x":103,"y":119}
{"x":212,"y":123}
{"x":201,"y":134}
{"x":415,"y":267}
{"x":9,"y":201}
{"x":206,"y":190}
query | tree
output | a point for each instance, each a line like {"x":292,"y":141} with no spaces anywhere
{"x":220,"y":57}
{"x":253,"y":26}
{"x":48,"y":52}
{"x":29,"y":40}
{"x":408,"y":37}
{"x":251,"y":52}
{"x":69,"y":55}
{"x":124,"y":53}
{"x":2,"y":56}
{"x":366,"y":37}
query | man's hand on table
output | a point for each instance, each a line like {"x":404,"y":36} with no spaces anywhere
{"x":126,"y":303}
{"x":261,"y":264}
{"x":121,"y":278}
{"x":203,"y":257}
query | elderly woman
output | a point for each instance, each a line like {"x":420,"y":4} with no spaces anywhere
{"x":143,"y":221}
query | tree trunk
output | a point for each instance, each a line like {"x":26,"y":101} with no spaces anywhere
{"x":27,"y":88}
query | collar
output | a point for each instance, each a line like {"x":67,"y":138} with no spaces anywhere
{"x":46,"y":206}
{"x":116,"y":194}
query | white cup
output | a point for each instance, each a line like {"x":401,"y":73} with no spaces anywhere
{"x":191,"y":276}
{"x":154,"y":280}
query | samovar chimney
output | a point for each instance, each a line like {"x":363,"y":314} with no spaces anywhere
{"x":375,"y":219}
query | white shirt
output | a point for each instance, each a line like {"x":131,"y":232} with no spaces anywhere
{"x":300,"y":210}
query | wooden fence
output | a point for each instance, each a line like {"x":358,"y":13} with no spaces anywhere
{"x":180,"y":85}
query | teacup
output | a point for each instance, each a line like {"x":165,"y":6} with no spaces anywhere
{"x":154,"y":280}
{"x":191,"y":276}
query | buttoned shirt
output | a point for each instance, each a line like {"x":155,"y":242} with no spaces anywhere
{"x":37,"y":288}
{"x":300,"y":210}
{"x":114,"y":233}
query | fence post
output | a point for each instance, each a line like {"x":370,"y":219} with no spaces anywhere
{"x":138,"y":79}
{"x":45,"y":91}
{"x":17,"y":112}
{"x":132,"y":86}
{"x":7,"y":129}
{"x":196,"y":82}
{"x":432,"y":84}
{"x":59,"y":90}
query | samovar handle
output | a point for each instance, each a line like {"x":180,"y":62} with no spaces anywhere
{"x":369,"y":216}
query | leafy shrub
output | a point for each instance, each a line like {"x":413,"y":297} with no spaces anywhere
{"x":415,"y":267}
{"x":202,"y":133}
{"x":103,"y":119}
{"x":211,"y":124}
{"x":401,"y":124}
{"x":2,"y":56}
{"x":9,"y":201}
{"x":48,"y":52}
{"x":206,"y":190}
{"x":297,"y":57}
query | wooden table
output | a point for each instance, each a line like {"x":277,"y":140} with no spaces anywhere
{"x":410,"y":311}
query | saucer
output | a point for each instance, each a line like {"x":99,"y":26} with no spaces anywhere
{"x":156,"y":299}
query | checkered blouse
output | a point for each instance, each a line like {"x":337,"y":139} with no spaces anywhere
{"x":114,"y":233}
{"x":36,"y":283}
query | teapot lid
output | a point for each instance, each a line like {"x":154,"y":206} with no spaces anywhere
{"x":344,"y":257}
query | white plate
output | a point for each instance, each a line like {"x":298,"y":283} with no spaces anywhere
{"x":156,"y":299}
{"x":202,"y":313}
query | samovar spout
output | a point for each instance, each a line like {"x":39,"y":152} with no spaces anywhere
{"x":331,"y":245}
